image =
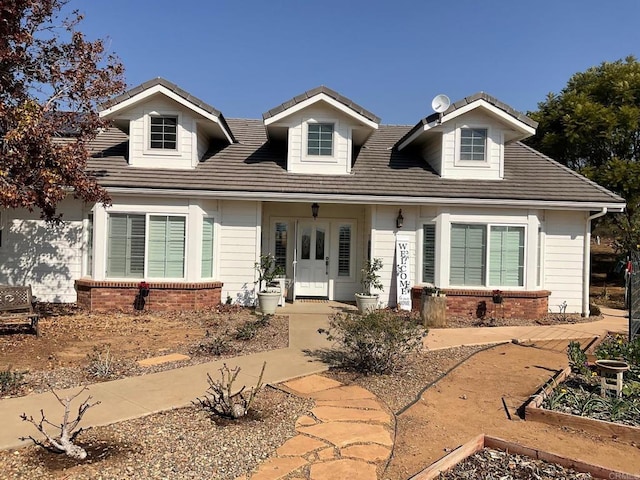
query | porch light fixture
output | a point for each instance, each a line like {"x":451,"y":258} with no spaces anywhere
{"x":314,"y":210}
{"x":399,"y":220}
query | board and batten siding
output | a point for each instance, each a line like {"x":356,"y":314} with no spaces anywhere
{"x":239,"y":249}
{"x":47,"y":257}
{"x":140,"y":155}
{"x":564,"y":259}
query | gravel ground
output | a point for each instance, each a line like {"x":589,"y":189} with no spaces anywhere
{"x":183,"y":443}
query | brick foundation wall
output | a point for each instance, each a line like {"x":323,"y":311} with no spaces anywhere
{"x":105,"y":296}
{"x":473,"y":303}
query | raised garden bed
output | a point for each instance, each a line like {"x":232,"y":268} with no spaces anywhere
{"x":490,"y":457}
{"x":534,"y":411}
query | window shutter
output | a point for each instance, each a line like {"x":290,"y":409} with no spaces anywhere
{"x":507,"y":256}
{"x":125,"y":251}
{"x":344,"y":251}
{"x":429,"y":253}
{"x":207,"y":248}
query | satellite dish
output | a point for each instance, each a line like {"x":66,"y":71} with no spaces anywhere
{"x":440,"y":103}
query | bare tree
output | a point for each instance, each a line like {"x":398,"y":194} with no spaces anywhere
{"x":68,"y":433}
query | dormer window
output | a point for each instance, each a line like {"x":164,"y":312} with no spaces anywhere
{"x":320,"y":139}
{"x":473,"y":144}
{"x":163,"y":134}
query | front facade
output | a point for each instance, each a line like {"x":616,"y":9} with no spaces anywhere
{"x":323,"y":186}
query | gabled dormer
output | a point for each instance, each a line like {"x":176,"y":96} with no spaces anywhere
{"x":167,"y":127}
{"x":321,"y":129}
{"x":467,"y":140}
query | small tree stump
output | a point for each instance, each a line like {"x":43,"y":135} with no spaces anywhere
{"x":433,"y":311}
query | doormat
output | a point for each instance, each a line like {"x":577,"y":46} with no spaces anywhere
{"x":312,"y":300}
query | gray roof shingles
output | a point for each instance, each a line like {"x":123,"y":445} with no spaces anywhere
{"x":254,"y":164}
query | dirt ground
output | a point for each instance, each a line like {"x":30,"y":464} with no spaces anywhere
{"x":68,"y":335}
{"x":468,"y":401}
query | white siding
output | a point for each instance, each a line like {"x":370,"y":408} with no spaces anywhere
{"x":238,"y":249}
{"x":187,"y":154}
{"x":492,"y":169}
{"x":297,"y":159}
{"x":432,"y":152}
{"x":564,"y":259}
{"x":384,"y":245}
{"x":47,"y":257}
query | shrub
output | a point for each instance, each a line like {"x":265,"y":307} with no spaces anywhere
{"x":222,"y":400}
{"x":10,"y":381}
{"x":246,"y":331}
{"x":376,"y":342}
{"x":210,"y":345}
{"x":577,"y":359}
{"x":594,"y":310}
{"x":101,"y":362}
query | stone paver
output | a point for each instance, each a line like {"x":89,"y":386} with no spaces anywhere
{"x":342,"y":434}
{"x":368,"y":403}
{"x":368,"y":453}
{"x":278,"y":467}
{"x":172,"y":357}
{"x":341,"y":414}
{"x":305,"y":421}
{"x":299,"y":445}
{"x":327,"y":454}
{"x":311,"y":384}
{"x":350,"y":392}
{"x":343,"y":469}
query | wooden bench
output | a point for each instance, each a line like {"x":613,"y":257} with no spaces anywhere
{"x":17,"y":306}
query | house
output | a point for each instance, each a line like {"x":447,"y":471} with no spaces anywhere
{"x":323,"y":185}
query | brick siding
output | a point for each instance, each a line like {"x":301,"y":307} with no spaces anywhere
{"x":476,"y":303}
{"x":102,"y":296}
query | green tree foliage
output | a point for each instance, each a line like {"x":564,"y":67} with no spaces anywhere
{"x":593,"y":126}
{"x":51,"y":81}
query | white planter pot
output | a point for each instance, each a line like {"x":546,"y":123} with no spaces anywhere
{"x":366,"y":303}
{"x":268,"y":302}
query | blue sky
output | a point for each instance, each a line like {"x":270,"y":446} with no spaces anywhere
{"x":392,"y":57}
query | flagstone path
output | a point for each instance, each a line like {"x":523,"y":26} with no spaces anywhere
{"x":349,"y":434}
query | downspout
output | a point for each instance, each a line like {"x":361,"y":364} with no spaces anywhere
{"x":587,"y":261}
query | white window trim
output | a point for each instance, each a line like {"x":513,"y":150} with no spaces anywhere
{"x":147,"y":150}
{"x":352,"y":260}
{"x":146,"y":245}
{"x":306,"y":158}
{"x":488,"y":146}
{"x":486,"y":285}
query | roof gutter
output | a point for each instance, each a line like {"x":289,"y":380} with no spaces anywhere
{"x":367,"y":199}
{"x":587,"y":261}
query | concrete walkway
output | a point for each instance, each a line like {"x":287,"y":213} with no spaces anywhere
{"x":139,"y":396}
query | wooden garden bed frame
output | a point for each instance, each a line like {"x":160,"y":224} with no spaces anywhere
{"x":534,"y":412}
{"x":481,"y":441}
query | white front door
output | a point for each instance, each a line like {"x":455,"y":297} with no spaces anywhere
{"x":312,"y":272}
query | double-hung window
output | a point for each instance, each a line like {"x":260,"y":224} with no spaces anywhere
{"x":163,"y":133}
{"x":473,"y":144}
{"x":320,"y":139}
{"x":480,"y":249}
{"x":140,"y":245}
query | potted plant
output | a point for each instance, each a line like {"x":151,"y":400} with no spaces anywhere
{"x":269,"y":294}
{"x":366,"y":301}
